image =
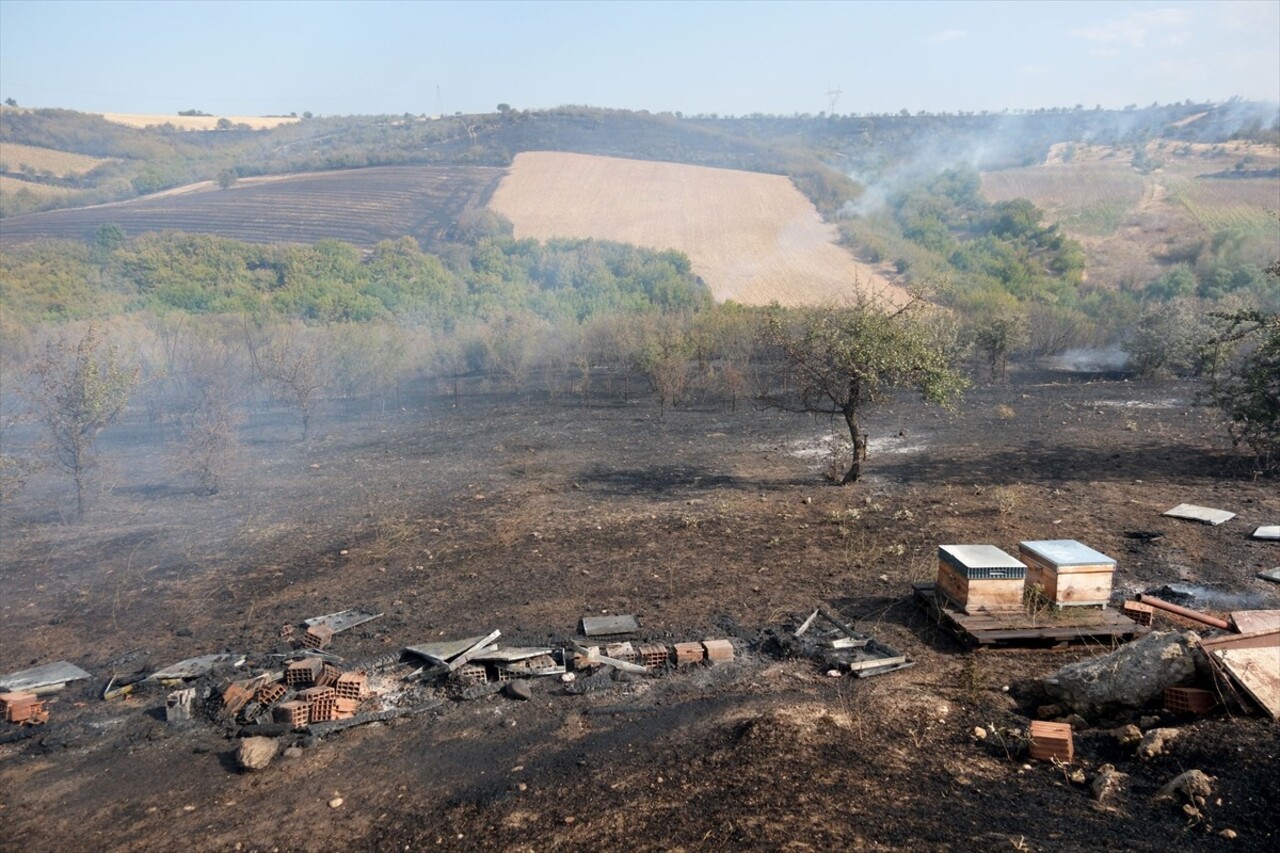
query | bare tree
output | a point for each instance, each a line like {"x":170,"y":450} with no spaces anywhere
{"x":78,"y":390}
{"x":206,"y":377}
{"x":293,"y":368}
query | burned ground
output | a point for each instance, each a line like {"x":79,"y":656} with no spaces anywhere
{"x":515,"y":512}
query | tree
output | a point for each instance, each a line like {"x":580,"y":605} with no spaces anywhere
{"x":227,"y":178}
{"x":77,"y":391}
{"x":1247,"y":390}
{"x":293,"y":368}
{"x":840,"y":361}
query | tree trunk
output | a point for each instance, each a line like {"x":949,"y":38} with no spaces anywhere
{"x":859,"y":439}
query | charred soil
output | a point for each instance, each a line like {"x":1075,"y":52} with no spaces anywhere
{"x":512,"y":511}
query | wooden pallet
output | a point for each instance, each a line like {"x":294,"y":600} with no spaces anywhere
{"x":1057,"y":628}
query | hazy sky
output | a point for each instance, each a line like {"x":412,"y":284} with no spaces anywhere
{"x":251,"y":58}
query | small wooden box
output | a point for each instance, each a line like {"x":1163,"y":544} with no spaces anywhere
{"x":1070,"y":574}
{"x":981,"y":578}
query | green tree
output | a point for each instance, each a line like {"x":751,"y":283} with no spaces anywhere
{"x":227,"y":178}
{"x":78,"y":390}
{"x":1247,"y":390}
{"x":840,"y":361}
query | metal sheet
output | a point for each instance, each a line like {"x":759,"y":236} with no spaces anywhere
{"x":599,"y":626}
{"x":1066,"y":553}
{"x":443,"y":651}
{"x":51,"y":676}
{"x":979,"y":557}
{"x":1272,"y":575}
{"x":195,"y":667}
{"x":1271,"y":531}
{"x":510,"y":655}
{"x":342,"y":620}
{"x":1205,"y":514}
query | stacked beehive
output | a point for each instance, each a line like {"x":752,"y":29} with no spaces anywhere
{"x":980,"y":578}
{"x":1068,"y":573}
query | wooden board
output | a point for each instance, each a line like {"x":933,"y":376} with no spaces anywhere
{"x":1252,"y":621}
{"x":1022,"y":628}
{"x":1254,"y":640}
{"x":1257,"y":671}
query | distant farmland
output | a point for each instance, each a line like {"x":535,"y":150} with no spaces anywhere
{"x":60,"y":164}
{"x":196,"y":122}
{"x":752,"y":238}
{"x":361,"y":206}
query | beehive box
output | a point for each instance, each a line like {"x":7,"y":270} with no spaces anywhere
{"x":1068,"y":573}
{"x":981,"y":578}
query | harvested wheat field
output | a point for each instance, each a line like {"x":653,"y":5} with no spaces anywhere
{"x":196,"y":122}
{"x":753,"y":238}
{"x":60,"y":164}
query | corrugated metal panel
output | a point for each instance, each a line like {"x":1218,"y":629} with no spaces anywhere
{"x":1066,"y":552}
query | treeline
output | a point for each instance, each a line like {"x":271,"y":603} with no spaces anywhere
{"x":1020,"y":284}
{"x":482,"y":272}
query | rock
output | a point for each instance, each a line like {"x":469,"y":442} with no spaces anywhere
{"x":335,"y":803}
{"x":1107,"y":784}
{"x":979,"y":732}
{"x":1154,"y":741}
{"x":1129,"y":677}
{"x":1193,"y":786}
{"x":1145,"y":723}
{"x":1077,"y":722}
{"x":1127,"y":735}
{"x":183,"y":632}
{"x":1077,"y":776}
{"x":1049,"y":712}
{"x":519,"y":689}
{"x":293,"y":752}
{"x":1228,"y":834}
{"x":255,"y":753}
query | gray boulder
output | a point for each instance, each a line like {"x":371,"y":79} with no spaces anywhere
{"x":1129,"y":677}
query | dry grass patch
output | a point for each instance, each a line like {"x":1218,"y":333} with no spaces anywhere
{"x":753,"y":238}
{"x":196,"y":122}
{"x":60,"y":164}
{"x":12,"y":186}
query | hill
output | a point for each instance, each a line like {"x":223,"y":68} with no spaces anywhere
{"x":1137,"y":211}
{"x":753,"y":238}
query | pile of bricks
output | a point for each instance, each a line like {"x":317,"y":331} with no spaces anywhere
{"x":1051,"y":741}
{"x":23,"y":708}
{"x":310,"y":691}
{"x":323,"y":701}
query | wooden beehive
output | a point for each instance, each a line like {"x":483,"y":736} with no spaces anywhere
{"x":1068,"y":573}
{"x":981,"y":578}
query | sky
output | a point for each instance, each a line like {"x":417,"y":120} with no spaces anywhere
{"x":723,"y":57}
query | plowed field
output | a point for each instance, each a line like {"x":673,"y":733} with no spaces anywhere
{"x":753,"y":238}
{"x":361,"y":206}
